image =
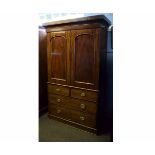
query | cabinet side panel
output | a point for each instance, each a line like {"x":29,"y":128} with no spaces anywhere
{"x":101,"y":121}
{"x":42,"y":71}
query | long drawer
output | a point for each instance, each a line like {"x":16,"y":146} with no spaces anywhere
{"x":84,"y":94}
{"x":75,"y":104}
{"x":56,"y":89}
{"x":72,"y":115}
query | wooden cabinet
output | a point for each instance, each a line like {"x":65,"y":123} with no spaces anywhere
{"x":76,"y":54}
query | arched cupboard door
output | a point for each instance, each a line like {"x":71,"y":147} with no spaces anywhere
{"x":58,"y":57}
{"x":84,"y":58}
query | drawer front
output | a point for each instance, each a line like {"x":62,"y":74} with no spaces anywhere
{"x":61,"y":90}
{"x":84,"y":94}
{"x":75,"y":104}
{"x":57,"y":100}
{"x":74,"y":116}
{"x":83,"y":106}
{"x":85,"y":119}
{"x":58,"y":111}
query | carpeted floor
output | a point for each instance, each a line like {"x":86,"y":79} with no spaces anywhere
{"x":54,"y":131}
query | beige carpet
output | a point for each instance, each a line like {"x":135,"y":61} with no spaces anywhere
{"x":54,"y":131}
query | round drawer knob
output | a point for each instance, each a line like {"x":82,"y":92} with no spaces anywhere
{"x":58,"y":100}
{"x":83,"y":94}
{"x":82,"y":118}
{"x":57,"y":89}
{"x":58,"y":111}
{"x":82,"y":106}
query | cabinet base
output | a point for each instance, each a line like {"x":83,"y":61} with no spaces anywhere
{"x":74,"y":124}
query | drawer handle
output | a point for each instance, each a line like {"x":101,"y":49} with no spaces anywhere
{"x":82,"y":118}
{"x":58,"y":100}
{"x":58,"y":111}
{"x":83,"y":94}
{"x":57,"y":89}
{"x":82,"y":106}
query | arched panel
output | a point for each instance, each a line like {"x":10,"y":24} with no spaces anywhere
{"x":58,"y":57}
{"x":84,"y":58}
{"x":58,"y":54}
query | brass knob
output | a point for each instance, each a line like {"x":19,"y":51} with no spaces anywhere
{"x":83,"y":94}
{"x":82,"y":118}
{"x":58,"y":111}
{"x":58,"y":100}
{"x":57,"y":89}
{"x":82,"y":106}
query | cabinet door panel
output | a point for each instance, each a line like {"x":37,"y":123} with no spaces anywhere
{"x":84,"y":59}
{"x":58,"y":57}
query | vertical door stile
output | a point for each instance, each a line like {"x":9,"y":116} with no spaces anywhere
{"x":68,"y":57}
{"x":48,"y":57}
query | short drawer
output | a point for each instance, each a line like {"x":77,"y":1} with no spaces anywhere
{"x":84,"y":94}
{"x":75,"y":104}
{"x":61,"y":90}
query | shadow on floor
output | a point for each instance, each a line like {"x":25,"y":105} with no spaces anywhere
{"x":54,"y":131}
